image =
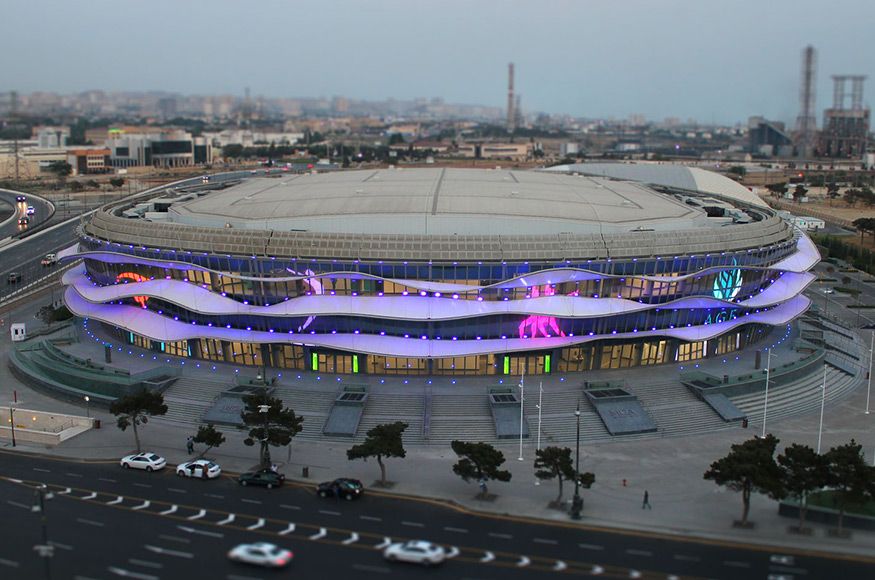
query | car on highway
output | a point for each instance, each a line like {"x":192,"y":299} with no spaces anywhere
{"x":342,"y":487}
{"x":30,"y":210}
{"x":261,"y":554}
{"x":828,"y":291}
{"x":23,"y":221}
{"x":146,"y":460}
{"x":20,"y":198}
{"x":199,"y":469}
{"x":205,"y":179}
{"x":49,"y":260}
{"x":13,"y":278}
{"x":263,"y":477}
{"x":415,"y":552}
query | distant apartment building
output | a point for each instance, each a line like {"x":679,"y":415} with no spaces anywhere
{"x":51,"y":137}
{"x":158,"y":148}
{"x":249,"y":138}
{"x":87,"y":161}
{"x":513,"y":151}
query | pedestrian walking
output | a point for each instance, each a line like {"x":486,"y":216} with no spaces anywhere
{"x":189,"y":444}
{"x":646,"y":502}
{"x":483,"y":488}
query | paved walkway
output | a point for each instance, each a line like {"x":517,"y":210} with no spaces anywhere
{"x":670,"y":469}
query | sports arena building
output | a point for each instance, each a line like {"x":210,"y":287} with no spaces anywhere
{"x":441,"y":272}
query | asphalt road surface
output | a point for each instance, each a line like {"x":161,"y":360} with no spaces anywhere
{"x":40,"y":215}
{"x":108,"y":522}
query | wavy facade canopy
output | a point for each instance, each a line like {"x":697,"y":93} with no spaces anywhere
{"x":439,"y":271}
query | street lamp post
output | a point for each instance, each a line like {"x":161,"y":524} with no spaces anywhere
{"x":766,"y":400}
{"x":869,"y":374}
{"x":540,"y":399}
{"x":265,"y":450}
{"x":12,"y":421}
{"x":45,"y":550}
{"x":87,"y":406}
{"x":822,"y":402}
{"x":577,"y":501}
{"x":522,"y":404}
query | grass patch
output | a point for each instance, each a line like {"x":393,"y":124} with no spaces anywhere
{"x":827,"y":499}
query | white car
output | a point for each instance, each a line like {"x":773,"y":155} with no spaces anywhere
{"x":146,"y":460}
{"x":261,"y":554}
{"x":30,"y":210}
{"x":828,"y":291}
{"x":416,"y":552}
{"x":199,"y":468}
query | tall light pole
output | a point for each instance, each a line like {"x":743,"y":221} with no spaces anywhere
{"x":540,"y":399}
{"x":87,"y":406}
{"x":577,"y":502}
{"x":766,"y":400}
{"x":45,"y":550}
{"x":265,"y":450}
{"x":522,"y":404}
{"x":822,"y":402}
{"x":869,"y":374}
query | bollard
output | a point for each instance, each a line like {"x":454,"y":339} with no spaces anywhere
{"x":624,"y":482}
{"x":305,"y":472}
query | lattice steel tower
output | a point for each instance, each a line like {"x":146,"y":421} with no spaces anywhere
{"x":806,"y":122}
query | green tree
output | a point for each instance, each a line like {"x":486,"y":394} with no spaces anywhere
{"x":480,"y":461}
{"x":749,"y":467}
{"x":135,"y":409}
{"x":61,"y":169}
{"x":270,"y":424}
{"x":384,"y":440}
{"x":803,"y":471}
{"x":832,"y":191}
{"x":738,"y":170}
{"x":209,"y":436}
{"x":396,"y":139}
{"x":849,"y":477}
{"x":554,"y":462}
{"x":852,"y":196}
{"x":799,"y":192}
{"x":117,"y":182}
{"x":777,"y":189}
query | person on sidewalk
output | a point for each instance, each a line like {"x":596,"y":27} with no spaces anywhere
{"x":646,"y":502}
{"x":189,"y":444}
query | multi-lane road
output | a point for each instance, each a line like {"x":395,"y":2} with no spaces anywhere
{"x":107,"y":522}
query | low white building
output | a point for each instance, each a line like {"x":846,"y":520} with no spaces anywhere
{"x":808,"y":223}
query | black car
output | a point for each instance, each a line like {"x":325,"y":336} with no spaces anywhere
{"x":343,"y":487}
{"x":20,"y":198}
{"x":23,"y":221}
{"x":13,"y":278}
{"x":265,"y":477}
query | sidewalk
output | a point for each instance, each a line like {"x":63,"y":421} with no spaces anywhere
{"x":670,"y":469}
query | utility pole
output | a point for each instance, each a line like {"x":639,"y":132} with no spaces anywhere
{"x":577,"y":501}
{"x":522,"y":404}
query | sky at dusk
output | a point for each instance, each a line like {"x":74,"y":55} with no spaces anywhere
{"x":712,"y":61}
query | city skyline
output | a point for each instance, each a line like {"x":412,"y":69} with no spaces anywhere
{"x":678,"y":59}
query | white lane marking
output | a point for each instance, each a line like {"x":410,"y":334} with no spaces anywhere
{"x":197,"y":516}
{"x":371,"y":518}
{"x":146,"y":503}
{"x":106,"y":479}
{"x":90,"y":522}
{"x":352,"y":539}
{"x":128,"y":574}
{"x":201,"y":532}
{"x":215,"y":495}
{"x":320,"y":534}
{"x":227,"y":520}
{"x":177,"y":553}
{"x":413,"y":524}
{"x":672,"y":577}
{"x":13,"y":480}
{"x":788,"y":571}
{"x":174,"y":539}
{"x":367,"y":568}
{"x":457,"y":530}
{"x":19,"y":504}
{"x":61,"y":546}
{"x":238,"y":577}
{"x":502,"y":536}
{"x":289,"y":529}
{"x":146,"y":563}
{"x":632,"y":552}
{"x":591,"y":546}
{"x":73,"y":475}
{"x":247,"y":500}
{"x":40,"y":469}
{"x":544,"y":541}
{"x":384,"y":544}
{"x":176,"y":490}
{"x":256,"y":525}
{"x":10,"y":563}
{"x":91,"y":495}
{"x":117,"y":500}
{"x":289,"y":507}
{"x":781,"y":559}
{"x":487,"y":557}
{"x":560,"y":565}
{"x":169,"y":511}
{"x":454,"y":551}
{"x":634,"y":574}
{"x":686,"y":558}
{"x":66,"y":491}
{"x":736,"y":564}
{"x":329,"y":513}
{"x":142,"y":485}
{"x":596,"y":570}
{"x":523,"y":562}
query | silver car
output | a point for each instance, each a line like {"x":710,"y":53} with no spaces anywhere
{"x":416,"y":552}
